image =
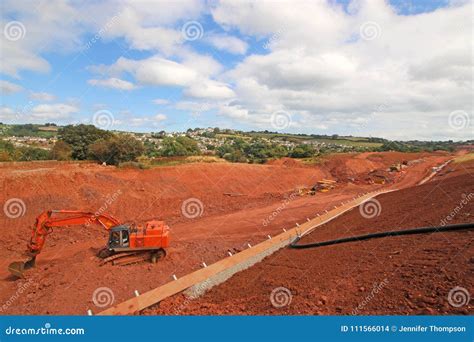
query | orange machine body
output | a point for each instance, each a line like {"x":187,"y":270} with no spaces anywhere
{"x":154,"y":234}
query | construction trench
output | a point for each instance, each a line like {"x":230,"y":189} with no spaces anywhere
{"x":198,"y":282}
{"x":60,"y":268}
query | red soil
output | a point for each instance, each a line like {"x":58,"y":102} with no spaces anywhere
{"x":412,"y":274}
{"x":238,"y":200}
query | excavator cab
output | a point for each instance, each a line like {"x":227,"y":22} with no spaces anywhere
{"x":119,"y":237}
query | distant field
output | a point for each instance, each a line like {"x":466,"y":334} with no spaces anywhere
{"x":346,"y":141}
{"x":464,"y":158}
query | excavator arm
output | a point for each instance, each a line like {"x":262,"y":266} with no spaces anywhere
{"x":57,"y":218}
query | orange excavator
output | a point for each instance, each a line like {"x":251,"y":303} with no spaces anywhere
{"x":127,"y":243}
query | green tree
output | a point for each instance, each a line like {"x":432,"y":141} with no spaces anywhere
{"x":180,"y":146}
{"x":116,"y":149}
{"x":61,"y":151}
{"x":302,"y":151}
{"x":80,"y":137}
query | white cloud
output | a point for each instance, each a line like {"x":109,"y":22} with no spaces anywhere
{"x":209,"y":89}
{"x":112,"y":82}
{"x":7,"y":114}
{"x":42,"y":96}
{"x":160,"y":117}
{"x":155,"y":71}
{"x":9,"y":88}
{"x":53,"y":111}
{"x":320,"y":69}
{"x":227,"y":43}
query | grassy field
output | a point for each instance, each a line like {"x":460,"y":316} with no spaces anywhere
{"x":464,"y":158}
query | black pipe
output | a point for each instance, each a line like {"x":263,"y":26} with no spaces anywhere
{"x":423,"y":230}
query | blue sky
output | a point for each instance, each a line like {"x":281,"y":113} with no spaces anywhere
{"x":396,"y":69}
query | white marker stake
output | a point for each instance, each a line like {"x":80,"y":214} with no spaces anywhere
{"x":250,"y":246}
{"x":89,"y":312}
{"x":269,"y":237}
{"x":174,"y":277}
{"x":136,"y":293}
{"x":307,"y":219}
{"x":230,"y":254}
{"x":204,"y":264}
{"x":284,"y":229}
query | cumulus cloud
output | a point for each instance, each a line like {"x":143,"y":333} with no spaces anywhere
{"x":42,"y":96}
{"x":112,"y":82}
{"x":53,"y":111}
{"x":227,"y":43}
{"x":328,"y":73}
{"x":9,"y":87}
{"x":360,"y":69}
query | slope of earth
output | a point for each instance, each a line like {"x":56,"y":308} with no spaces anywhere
{"x":236,"y":205}
{"x":395,"y":275}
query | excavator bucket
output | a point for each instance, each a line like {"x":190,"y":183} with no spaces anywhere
{"x":18,"y":268}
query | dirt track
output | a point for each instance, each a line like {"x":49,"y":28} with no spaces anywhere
{"x":68,"y":271}
{"x":394,"y":275}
